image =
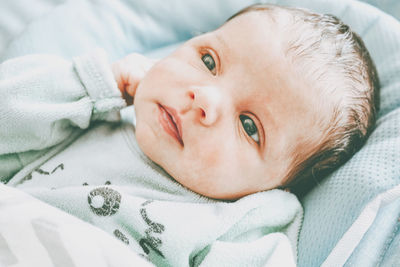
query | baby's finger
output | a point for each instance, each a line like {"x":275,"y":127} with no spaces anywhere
{"x":128,"y":98}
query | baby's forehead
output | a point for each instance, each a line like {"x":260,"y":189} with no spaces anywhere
{"x":269,"y":27}
{"x":275,"y":17}
{"x":289,"y":25}
{"x":262,"y":51}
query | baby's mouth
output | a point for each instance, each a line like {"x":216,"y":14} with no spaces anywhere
{"x":171,"y":122}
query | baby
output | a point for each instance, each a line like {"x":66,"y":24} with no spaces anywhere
{"x":276,"y":97}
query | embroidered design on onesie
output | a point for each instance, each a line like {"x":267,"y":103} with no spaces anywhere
{"x":42,"y":172}
{"x":104,"y":201}
{"x":150,"y":241}
{"x":118,"y":234}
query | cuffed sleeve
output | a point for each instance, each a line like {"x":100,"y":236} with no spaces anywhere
{"x":96,"y":76}
{"x":44,"y":98}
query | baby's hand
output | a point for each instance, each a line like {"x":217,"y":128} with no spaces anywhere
{"x":128,"y":72}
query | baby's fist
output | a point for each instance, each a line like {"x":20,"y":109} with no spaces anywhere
{"x":128,"y":72}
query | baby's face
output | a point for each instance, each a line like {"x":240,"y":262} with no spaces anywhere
{"x":223,"y":113}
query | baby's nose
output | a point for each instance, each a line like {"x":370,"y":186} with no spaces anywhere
{"x":206,"y":101}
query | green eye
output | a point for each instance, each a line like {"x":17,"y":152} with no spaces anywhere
{"x":250,"y":127}
{"x":209,"y":62}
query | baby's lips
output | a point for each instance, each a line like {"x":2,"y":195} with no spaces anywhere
{"x":176,"y":119}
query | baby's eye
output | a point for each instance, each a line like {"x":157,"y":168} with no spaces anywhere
{"x":209,"y":62}
{"x":250,"y":127}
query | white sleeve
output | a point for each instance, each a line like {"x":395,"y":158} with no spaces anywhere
{"x":44,"y":98}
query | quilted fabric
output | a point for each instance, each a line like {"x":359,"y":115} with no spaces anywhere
{"x":70,"y":28}
{"x":67,"y":28}
{"x":332,"y":207}
{"x":391,"y":7}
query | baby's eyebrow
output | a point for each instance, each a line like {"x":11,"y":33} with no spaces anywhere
{"x":222,"y":42}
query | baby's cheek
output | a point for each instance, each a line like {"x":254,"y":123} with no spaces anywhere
{"x":211,"y":157}
{"x":211,"y":160}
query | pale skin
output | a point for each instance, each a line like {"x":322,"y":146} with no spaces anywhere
{"x":238,"y":104}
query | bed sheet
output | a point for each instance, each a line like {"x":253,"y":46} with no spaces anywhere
{"x":33,"y":233}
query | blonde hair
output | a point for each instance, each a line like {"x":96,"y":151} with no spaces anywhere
{"x":335,"y":59}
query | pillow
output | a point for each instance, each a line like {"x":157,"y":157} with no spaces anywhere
{"x":391,"y":7}
{"x":70,"y":28}
{"x":332,"y":207}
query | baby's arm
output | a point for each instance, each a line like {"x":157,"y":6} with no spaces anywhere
{"x":44,"y":99}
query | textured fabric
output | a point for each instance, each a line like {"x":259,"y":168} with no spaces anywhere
{"x":332,"y":207}
{"x":33,"y":233}
{"x":379,"y":246}
{"x":71,"y":28}
{"x":43,"y":103}
{"x":391,"y":7}
{"x":367,"y":240}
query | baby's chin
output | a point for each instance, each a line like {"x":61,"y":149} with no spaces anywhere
{"x":148,"y":149}
{"x":195,"y":180}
